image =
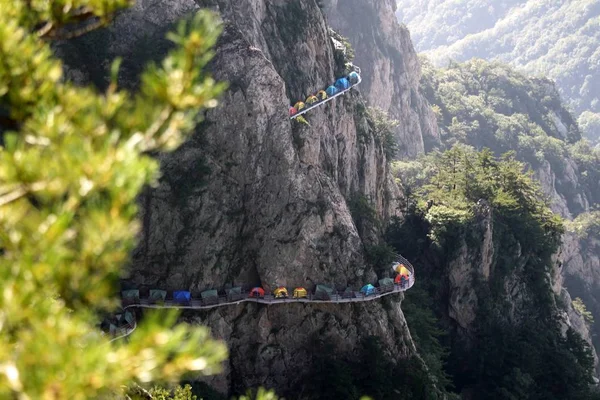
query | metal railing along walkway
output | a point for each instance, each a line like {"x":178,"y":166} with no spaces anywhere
{"x":320,"y":103}
{"x":268,"y":299}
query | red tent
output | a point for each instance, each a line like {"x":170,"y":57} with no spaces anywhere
{"x":398,"y":279}
{"x":257,"y":292}
{"x":293,"y":111}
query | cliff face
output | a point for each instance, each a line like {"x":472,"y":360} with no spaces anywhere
{"x":256,"y":199}
{"x":581,"y":276}
{"x":390,"y":66}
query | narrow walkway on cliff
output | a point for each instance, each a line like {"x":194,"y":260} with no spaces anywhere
{"x":124,"y":323}
{"x":341,"y":86}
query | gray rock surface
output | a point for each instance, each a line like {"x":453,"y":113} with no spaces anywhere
{"x":390,"y":66}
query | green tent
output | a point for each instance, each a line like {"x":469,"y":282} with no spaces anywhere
{"x":323,"y":292}
{"x":130,"y":318}
{"x":158,"y":296}
{"x":210,"y":296}
{"x":207,"y":294}
{"x":234,"y":293}
{"x":386,"y":284}
{"x":130,"y":296}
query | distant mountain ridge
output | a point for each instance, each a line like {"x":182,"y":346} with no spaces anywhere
{"x":558,"y":40}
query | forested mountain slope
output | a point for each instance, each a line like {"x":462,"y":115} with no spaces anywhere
{"x":558,"y":40}
{"x":489,"y":105}
{"x":486,"y":242}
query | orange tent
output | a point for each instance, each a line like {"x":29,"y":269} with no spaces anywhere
{"x":257,"y":292}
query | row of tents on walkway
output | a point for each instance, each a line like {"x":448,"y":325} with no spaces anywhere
{"x":340,"y":85}
{"x":322,"y":292}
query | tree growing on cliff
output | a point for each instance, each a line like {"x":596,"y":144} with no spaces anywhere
{"x":72,"y":162}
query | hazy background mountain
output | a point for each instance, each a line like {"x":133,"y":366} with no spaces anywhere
{"x":558,"y":40}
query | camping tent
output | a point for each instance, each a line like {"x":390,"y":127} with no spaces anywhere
{"x":401,"y":269}
{"x":257,"y":292}
{"x":293,"y":111}
{"x":130,"y":296}
{"x":182,"y":296}
{"x":234,"y":293}
{"x":157,"y":296}
{"x":323,"y":292}
{"x":342,"y":84}
{"x":331,"y":90}
{"x":386,"y":284}
{"x":299,"y":106}
{"x":368,"y":290}
{"x":300,"y":293}
{"x":311,"y":100}
{"x":399,"y":279}
{"x":322,"y":95}
{"x":209,"y":297}
{"x":353,"y":78}
{"x":280,"y":292}
{"x":130,"y":318}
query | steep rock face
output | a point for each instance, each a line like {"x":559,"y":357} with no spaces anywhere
{"x":272,"y":209}
{"x":581,"y":277}
{"x":272,"y":346}
{"x":390,"y":66}
{"x":470,"y":264}
{"x":564,"y":191}
{"x":254,"y":198}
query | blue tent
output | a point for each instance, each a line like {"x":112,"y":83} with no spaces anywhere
{"x":342,"y":84}
{"x":331,"y":90}
{"x":368,"y":290}
{"x":181,"y":296}
{"x":353,"y":78}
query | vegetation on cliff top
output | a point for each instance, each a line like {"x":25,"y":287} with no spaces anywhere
{"x":488,"y":104}
{"x":514,"y":348}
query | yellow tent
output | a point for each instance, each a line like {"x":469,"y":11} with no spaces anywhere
{"x":299,"y":106}
{"x":322,"y":95}
{"x":280,"y":292}
{"x":300,"y":293}
{"x":402,"y":270}
{"x":311,"y":100}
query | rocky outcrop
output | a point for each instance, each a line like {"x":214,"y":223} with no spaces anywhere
{"x":253,"y":198}
{"x":390,"y":66}
{"x":567,"y":197}
{"x":468,"y":265}
{"x":580,"y":275}
{"x":272,"y":346}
